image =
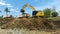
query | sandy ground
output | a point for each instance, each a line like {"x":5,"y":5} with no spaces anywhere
{"x":22,"y":31}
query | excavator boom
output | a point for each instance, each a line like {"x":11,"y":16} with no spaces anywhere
{"x":29,"y":6}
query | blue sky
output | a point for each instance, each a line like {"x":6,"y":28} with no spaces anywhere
{"x":15,"y":5}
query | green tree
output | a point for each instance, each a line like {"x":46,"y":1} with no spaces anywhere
{"x":11,"y":16}
{"x":6,"y":10}
{"x":54,"y":14}
{"x":47,"y":12}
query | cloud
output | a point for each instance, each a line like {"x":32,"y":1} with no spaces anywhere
{"x":1,"y":3}
{"x":14,"y":10}
{"x":17,"y":8}
{"x":5,"y":4}
{"x":9,"y":5}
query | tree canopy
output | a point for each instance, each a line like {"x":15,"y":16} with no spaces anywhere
{"x":54,"y":14}
{"x":47,"y":12}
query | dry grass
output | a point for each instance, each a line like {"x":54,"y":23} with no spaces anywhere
{"x":54,"y":18}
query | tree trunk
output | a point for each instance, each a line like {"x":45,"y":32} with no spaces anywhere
{"x":6,"y":14}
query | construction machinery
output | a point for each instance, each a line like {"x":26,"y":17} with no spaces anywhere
{"x":34,"y":12}
{"x":24,"y":14}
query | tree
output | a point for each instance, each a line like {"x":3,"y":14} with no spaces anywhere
{"x":11,"y":16}
{"x":6,"y":10}
{"x":47,"y":12}
{"x":54,"y":14}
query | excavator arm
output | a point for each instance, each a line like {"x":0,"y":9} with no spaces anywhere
{"x":24,"y":6}
{"x":29,"y":6}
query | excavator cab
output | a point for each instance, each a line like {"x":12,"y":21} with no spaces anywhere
{"x":37,"y":14}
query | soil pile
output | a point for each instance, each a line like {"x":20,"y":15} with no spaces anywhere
{"x":29,"y":23}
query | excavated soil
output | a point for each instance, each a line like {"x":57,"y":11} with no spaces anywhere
{"x":29,"y":23}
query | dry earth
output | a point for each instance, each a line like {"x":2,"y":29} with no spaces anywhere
{"x":33,"y":25}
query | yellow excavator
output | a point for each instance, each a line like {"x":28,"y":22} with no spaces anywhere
{"x":34,"y":12}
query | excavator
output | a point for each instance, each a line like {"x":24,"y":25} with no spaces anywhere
{"x":35,"y":13}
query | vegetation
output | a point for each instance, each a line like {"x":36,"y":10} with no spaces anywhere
{"x":47,"y":12}
{"x":11,"y":16}
{"x":6,"y":10}
{"x":54,"y":14}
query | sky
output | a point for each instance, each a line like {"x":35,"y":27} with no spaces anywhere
{"x":15,"y":6}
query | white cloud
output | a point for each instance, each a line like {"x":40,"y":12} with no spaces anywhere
{"x":13,"y":10}
{"x":17,"y":8}
{"x":1,"y":3}
{"x":9,"y":5}
{"x":5,"y":4}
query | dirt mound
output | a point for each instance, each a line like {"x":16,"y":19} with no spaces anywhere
{"x":29,"y":23}
{"x":5,"y":21}
{"x":57,"y":23}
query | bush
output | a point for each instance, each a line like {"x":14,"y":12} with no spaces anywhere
{"x":47,"y":12}
{"x":54,"y":14}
